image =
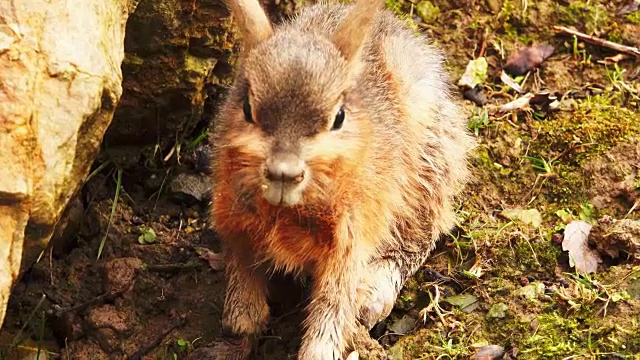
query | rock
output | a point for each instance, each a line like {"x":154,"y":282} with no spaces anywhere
{"x":490,"y":352}
{"x":178,"y":62}
{"x":494,"y":6}
{"x":498,"y":311}
{"x":58,"y":93}
{"x":403,"y":325}
{"x":64,"y":236}
{"x":197,"y":186}
{"x":465,"y":302}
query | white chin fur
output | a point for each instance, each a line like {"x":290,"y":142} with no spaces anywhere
{"x":278,"y":194}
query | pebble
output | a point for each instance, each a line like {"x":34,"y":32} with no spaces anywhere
{"x":490,"y":352}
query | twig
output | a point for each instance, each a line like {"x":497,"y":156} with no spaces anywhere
{"x":58,"y":311}
{"x":597,"y":41}
{"x":154,"y":344}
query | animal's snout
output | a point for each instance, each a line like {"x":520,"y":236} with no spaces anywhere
{"x":285,"y":167}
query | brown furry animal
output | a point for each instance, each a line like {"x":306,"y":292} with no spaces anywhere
{"x":337,"y":154}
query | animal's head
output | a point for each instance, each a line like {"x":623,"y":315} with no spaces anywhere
{"x":291,"y":124}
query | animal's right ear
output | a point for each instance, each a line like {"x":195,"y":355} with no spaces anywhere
{"x":350,"y":36}
{"x":252,"y":22}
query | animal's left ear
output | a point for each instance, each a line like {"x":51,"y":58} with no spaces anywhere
{"x":350,"y":36}
{"x":252,"y":22}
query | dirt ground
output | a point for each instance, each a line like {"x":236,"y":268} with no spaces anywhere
{"x":502,"y":278}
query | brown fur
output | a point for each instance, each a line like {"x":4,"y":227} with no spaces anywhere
{"x":377,"y":193}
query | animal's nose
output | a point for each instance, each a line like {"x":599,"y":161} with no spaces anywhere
{"x":285,"y":167}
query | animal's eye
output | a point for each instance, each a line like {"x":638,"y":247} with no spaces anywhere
{"x":246,"y":108}
{"x":337,"y":123}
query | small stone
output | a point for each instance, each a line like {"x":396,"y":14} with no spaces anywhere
{"x":564,"y":283}
{"x":490,"y":352}
{"x":534,"y":324}
{"x":466,"y":302}
{"x":498,"y":311}
{"x":403,"y":325}
{"x":196,"y":186}
{"x":494,"y":5}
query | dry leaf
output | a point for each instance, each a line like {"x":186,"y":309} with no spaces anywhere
{"x":614,"y":59}
{"x":526,"y":59}
{"x":475,"y":73}
{"x":633,"y":5}
{"x":576,"y":242}
{"x":216,"y":260}
{"x":517,"y":104}
{"x":510,"y":82}
{"x":530,"y":216}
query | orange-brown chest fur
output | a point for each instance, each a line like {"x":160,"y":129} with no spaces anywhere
{"x":296,"y":239}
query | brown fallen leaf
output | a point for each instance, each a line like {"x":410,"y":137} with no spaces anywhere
{"x":633,"y":5}
{"x":476,"y":95}
{"x":576,"y":242}
{"x":216,"y":260}
{"x":545,"y":100}
{"x":520,"y":62}
{"x":614,"y":59}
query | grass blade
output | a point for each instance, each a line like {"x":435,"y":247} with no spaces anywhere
{"x":113,"y":211}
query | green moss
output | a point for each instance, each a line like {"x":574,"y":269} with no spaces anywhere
{"x":427,"y":11}
{"x":634,"y":17}
{"x":588,"y":15}
{"x":526,"y":256}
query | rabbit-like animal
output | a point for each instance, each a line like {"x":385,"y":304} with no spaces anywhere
{"x":337,"y":153}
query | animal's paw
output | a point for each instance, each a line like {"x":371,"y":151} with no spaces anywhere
{"x":319,"y":350}
{"x":377,"y":293}
{"x":224,"y":349}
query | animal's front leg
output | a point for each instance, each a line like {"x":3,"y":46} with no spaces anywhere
{"x":385,"y":276}
{"x":245,"y":313}
{"x":331,"y":313}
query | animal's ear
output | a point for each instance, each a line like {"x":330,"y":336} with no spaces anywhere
{"x":252,"y":22}
{"x":350,"y":36}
